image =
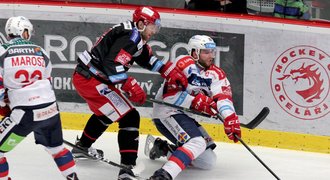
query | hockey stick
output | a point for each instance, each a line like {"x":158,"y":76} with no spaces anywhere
{"x":254,"y":123}
{"x":251,"y":125}
{"x":250,"y":150}
{"x":102,"y":159}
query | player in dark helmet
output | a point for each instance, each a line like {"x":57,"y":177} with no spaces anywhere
{"x":104,"y":66}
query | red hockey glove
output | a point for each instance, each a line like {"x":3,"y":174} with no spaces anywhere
{"x":175,"y":78}
{"x":135,"y":92}
{"x":203,"y":104}
{"x":231,"y":125}
{"x":5,"y":111}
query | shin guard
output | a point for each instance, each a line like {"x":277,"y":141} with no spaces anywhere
{"x":63,"y":159}
{"x":94,"y":128}
{"x":4,"y":168}
{"x":128,"y":137}
{"x":183,"y":156}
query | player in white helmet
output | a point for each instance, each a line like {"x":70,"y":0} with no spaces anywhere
{"x":208,"y":88}
{"x":27,"y":98}
{"x":17,"y":26}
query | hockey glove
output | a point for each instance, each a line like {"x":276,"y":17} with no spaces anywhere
{"x":5,"y":111}
{"x":232,"y":126}
{"x":175,"y":78}
{"x":135,"y":92}
{"x":203,"y":104}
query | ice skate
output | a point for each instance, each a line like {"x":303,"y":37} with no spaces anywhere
{"x":159,"y":148}
{"x":93,"y":152}
{"x":72,"y":176}
{"x":161,"y":174}
{"x":126,"y":173}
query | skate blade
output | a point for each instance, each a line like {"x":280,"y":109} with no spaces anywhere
{"x":83,"y":157}
{"x":150,"y":140}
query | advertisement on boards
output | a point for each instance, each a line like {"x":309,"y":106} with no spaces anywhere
{"x":65,"y":40}
{"x":282,"y":66}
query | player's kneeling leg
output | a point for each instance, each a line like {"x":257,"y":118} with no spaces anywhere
{"x":184,"y":155}
{"x":207,"y":160}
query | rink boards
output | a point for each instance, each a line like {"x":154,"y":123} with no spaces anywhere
{"x":256,"y":137}
{"x":283,"y":65}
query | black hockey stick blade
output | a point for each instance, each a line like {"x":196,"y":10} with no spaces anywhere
{"x":258,"y":119}
{"x":251,"y":125}
{"x":91,"y":156}
{"x":102,"y":159}
{"x":79,"y":149}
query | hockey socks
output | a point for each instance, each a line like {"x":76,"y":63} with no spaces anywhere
{"x":65,"y":162}
{"x":94,"y":128}
{"x":183,"y":156}
{"x":128,"y":146}
{"x":63,"y":159}
{"x":128,"y":137}
{"x":4,"y":169}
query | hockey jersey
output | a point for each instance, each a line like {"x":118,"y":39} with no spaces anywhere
{"x":116,"y":51}
{"x":211,"y":81}
{"x":25,"y":72}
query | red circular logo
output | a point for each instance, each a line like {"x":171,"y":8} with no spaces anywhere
{"x":300,"y":82}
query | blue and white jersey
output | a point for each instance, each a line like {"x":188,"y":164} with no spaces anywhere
{"x":196,"y":84}
{"x":211,"y":81}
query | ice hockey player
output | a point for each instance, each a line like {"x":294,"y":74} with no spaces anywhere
{"x":208,"y":88}
{"x":25,"y":71}
{"x":104,"y":66}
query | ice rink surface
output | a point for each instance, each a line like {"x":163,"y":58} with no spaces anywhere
{"x":31,"y":162}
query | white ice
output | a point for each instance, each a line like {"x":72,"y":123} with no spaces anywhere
{"x":29,"y":161}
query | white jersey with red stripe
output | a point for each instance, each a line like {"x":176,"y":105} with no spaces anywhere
{"x":212,"y":82}
{"x":25,"y":72}
{"x":220,"y":90}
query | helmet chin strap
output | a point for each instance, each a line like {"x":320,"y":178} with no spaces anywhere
{"x":26,"y":35}
{"x":197,"y":59}
{"x":197,"y":53}
{"x":140,"y":30}
{"x":144,"y":28}
{"x":200,"y":65}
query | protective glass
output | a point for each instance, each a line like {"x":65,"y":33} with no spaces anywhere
{"x":208,"y":51}
{"x":155,"y":28}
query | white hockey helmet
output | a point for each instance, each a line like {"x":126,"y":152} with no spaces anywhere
{"x":198,"y":42}
{"x":16,"y":25}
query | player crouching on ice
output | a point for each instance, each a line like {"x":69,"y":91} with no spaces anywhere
{"x":208,"y":88}
{"x":25,"y":71}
